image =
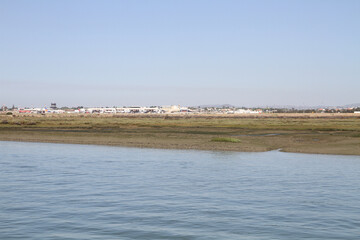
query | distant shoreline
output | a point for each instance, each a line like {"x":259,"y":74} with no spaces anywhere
{"x":298,"y":133}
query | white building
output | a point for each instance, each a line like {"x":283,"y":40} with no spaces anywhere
{"x":171,"y":109}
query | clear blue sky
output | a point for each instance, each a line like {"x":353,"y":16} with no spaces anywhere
{"x":247,"y":53}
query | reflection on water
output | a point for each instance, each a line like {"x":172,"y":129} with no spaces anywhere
{"x":59,"y":191}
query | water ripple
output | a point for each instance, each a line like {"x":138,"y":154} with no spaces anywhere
{"x":59,"y":191}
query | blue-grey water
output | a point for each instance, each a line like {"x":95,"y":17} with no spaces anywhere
{"x":63,"y":191}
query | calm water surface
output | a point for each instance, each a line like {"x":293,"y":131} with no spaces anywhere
{"x":60,"y":191}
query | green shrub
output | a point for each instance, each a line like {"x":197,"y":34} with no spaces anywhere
{"x":224,"y":139}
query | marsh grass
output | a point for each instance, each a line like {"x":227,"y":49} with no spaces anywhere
{"x":194,"y":124}
{"x":289,"y":132}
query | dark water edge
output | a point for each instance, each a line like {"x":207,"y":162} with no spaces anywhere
{"x":65,"y":191}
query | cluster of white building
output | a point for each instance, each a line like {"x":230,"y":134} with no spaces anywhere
{"x":155,"y":110}
{"x":113,"y":110}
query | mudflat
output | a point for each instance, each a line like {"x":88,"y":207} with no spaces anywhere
{"x":303,"y":133}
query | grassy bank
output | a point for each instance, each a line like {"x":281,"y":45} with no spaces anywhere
{"x":306,"y":133}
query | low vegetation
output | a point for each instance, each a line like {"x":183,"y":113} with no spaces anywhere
{"x":311,"y":133}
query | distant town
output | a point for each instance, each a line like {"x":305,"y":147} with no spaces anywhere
{"x":216,"y":109}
